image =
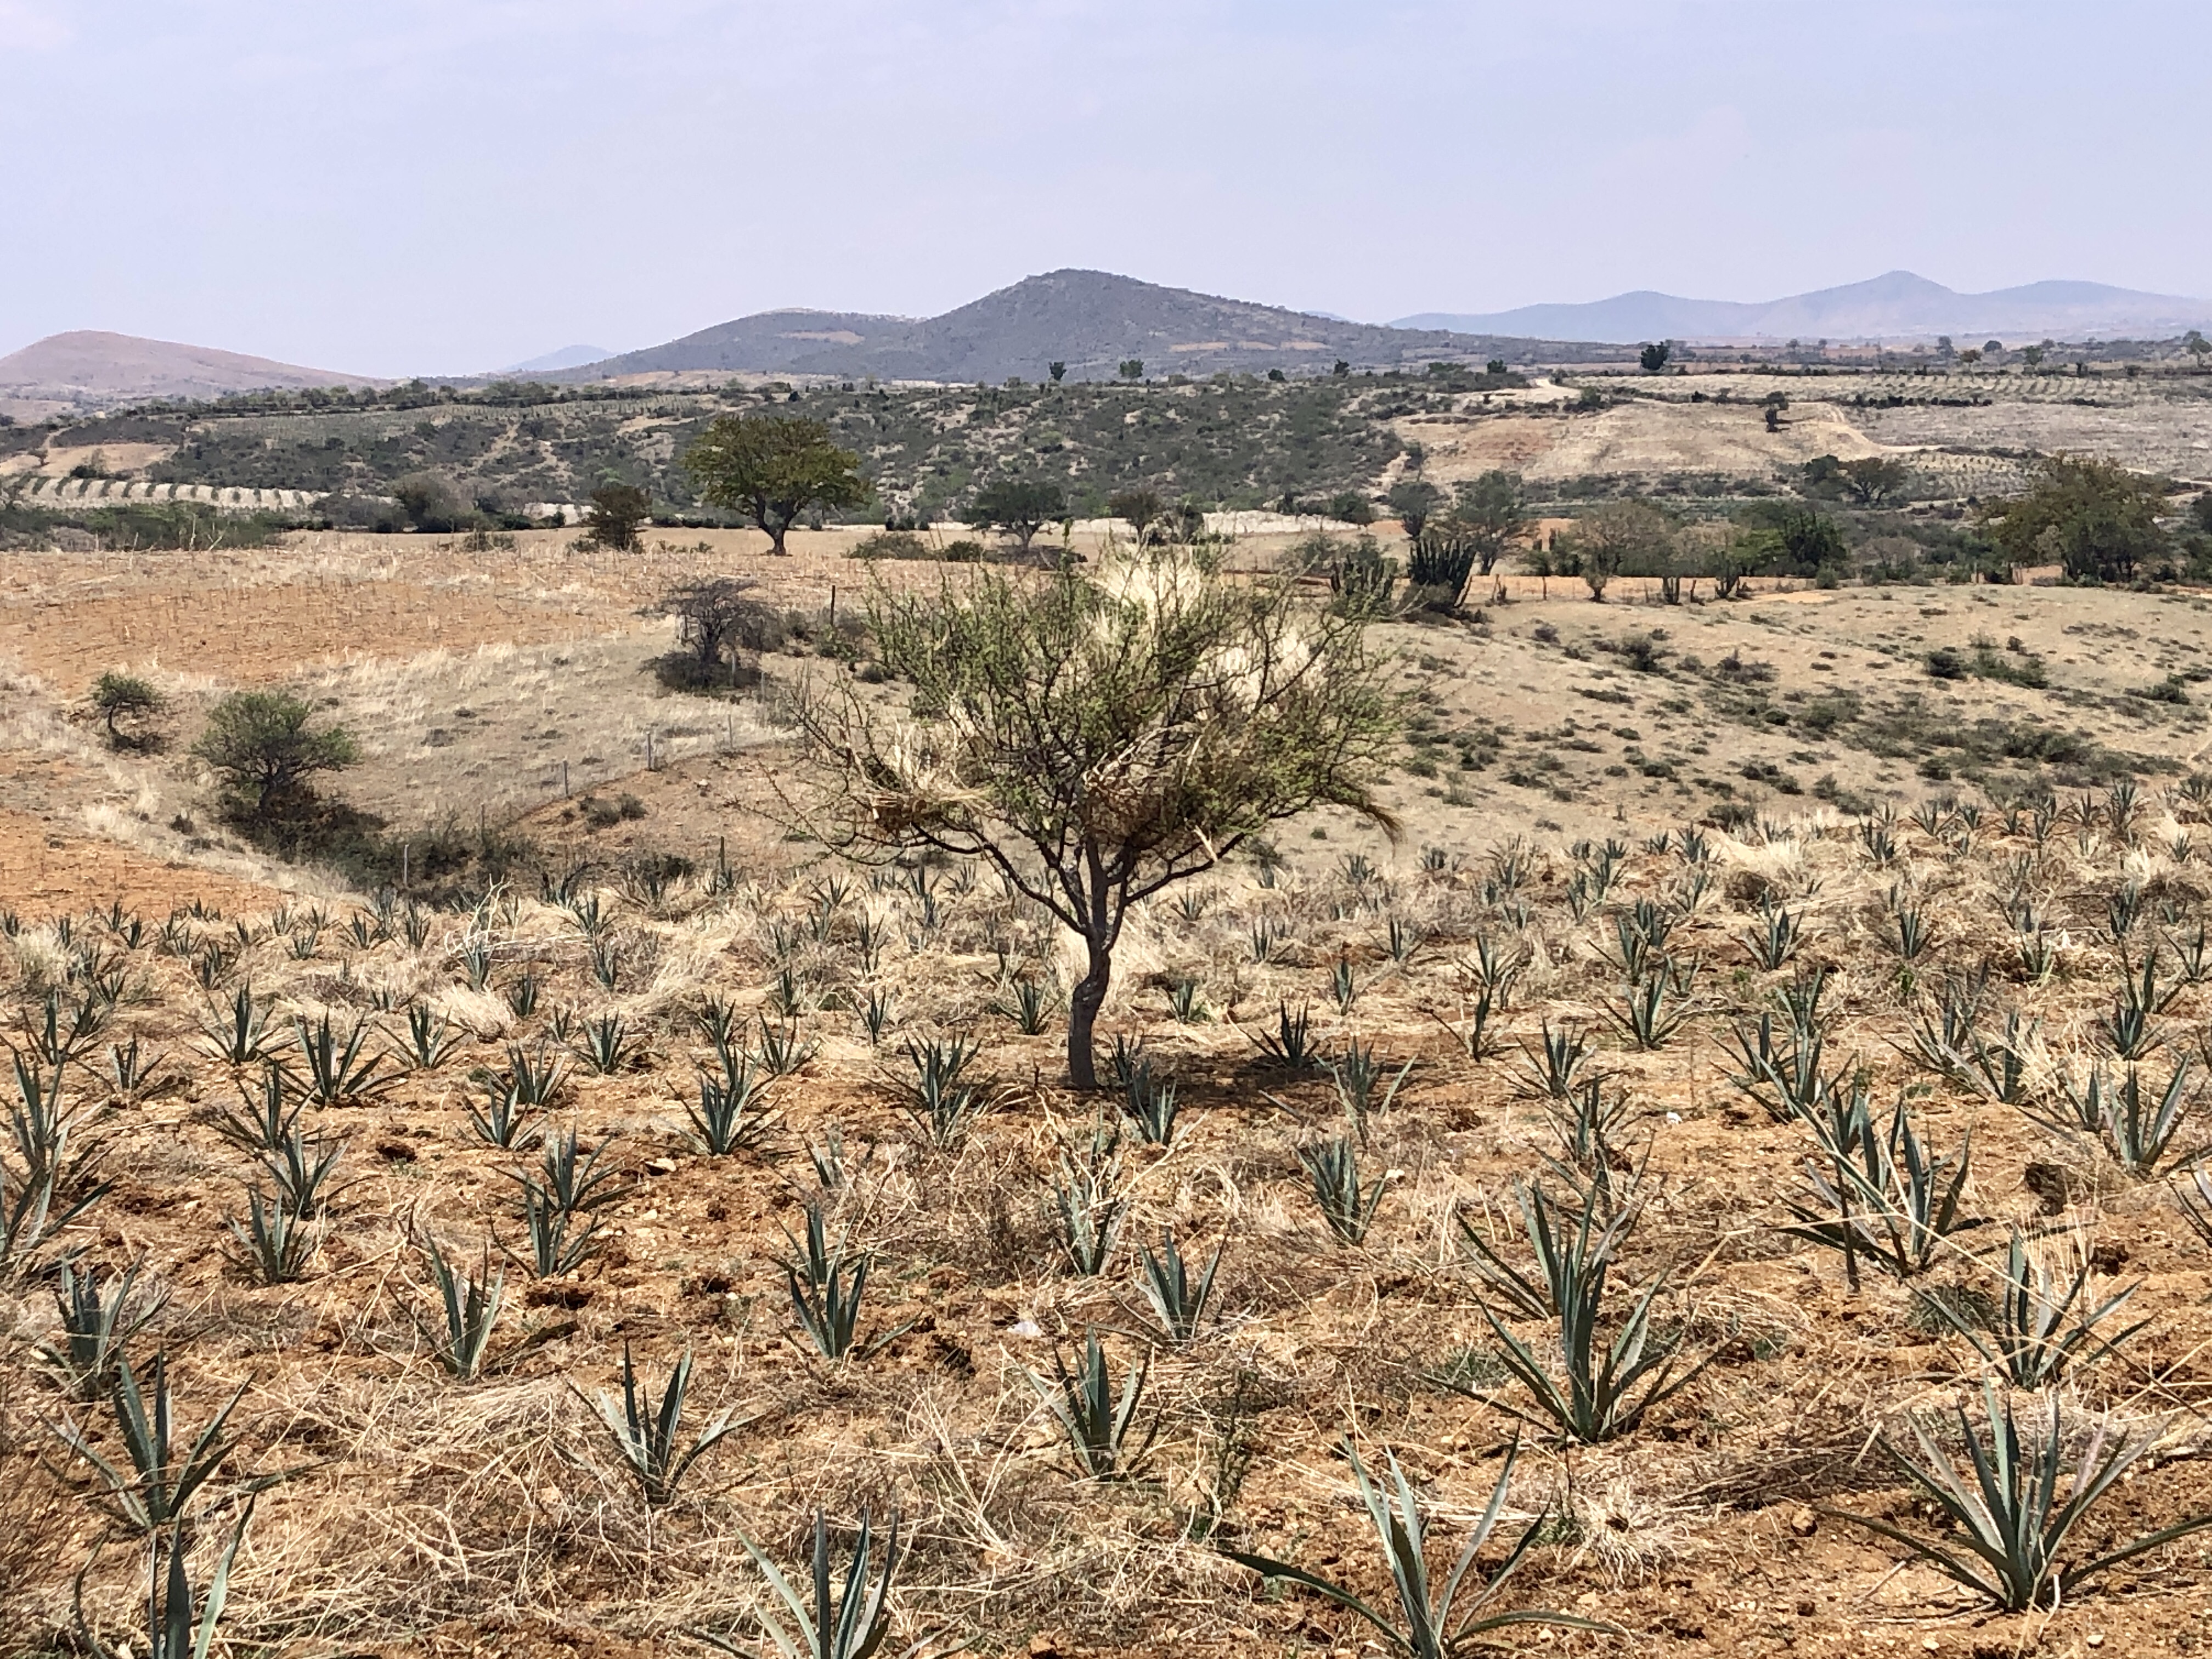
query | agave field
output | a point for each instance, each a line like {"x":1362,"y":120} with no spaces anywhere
{"x":1785,"y":1239}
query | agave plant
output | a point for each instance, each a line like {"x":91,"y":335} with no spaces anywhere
{"x":337,"y":1069}
{"x":651,"y":1445}
{"x":431,"y":1039}
{"x":241,"y":1035}
{"x":164,"y":1477}
{"x":854,"y":1625}
{"x":468,"y":1305}
{"x":172,"y":1633}
{"x":1881,"y":1199}
{"x":1424,"y":1628}
{"x":1555,"y":1066}
{"x":1332,"y":1170}
{"x":1088,"y":1201}
{"x":97,"y":1322}
{"x":1357,"y":1075}
{"x":274,"y":1243}
{"x":2026,"y":1333}
{"x":727,"y":1116}
{"x":1100,"y":1427}
{"x":1166,"y":1282}
{"x":566,"y":1187}
{"x":941,"y":1099}
{"x":825,"y":1300}
{"x":2014,"y":1521}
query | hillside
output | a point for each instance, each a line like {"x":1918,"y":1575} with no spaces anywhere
{"x":88,"y":366}
{"x":1090,"y":320}
{"x":1898,"y":306}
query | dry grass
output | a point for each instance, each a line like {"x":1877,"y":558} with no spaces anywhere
{"x":429,"y":1514}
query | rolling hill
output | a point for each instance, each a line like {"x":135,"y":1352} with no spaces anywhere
{"x":86,"y":367}
{"x":1090,"y":320}
{"x":1896,"y":306}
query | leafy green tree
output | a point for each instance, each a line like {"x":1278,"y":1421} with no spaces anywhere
{"x":615,"y":514}
{"x":774,"y":470}
{"x":2032,"y":356}
{"x":1058,"y":371}
{"x":1654,"y":356}
{"x":1487,"y":510}
{"x":1412,"y":500}
{"x":1350,"y":507}
{"x":2197,"y":345}
{"x":1140,"y":508}
{"x":2097,"y":522}
{"x":1873,"y":479}
{"x":432,"y":503}
{"x":1098,"y":738}
{"x":259,"y":745}
{"x":128,"y":698}
{"x":1773,"y":403}
{"x":1020,"y":506}
{"x":1132,"y":368}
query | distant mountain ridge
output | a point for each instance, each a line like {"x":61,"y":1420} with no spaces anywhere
{"x":88,"y":366}
{"x":1898,"y":306}
{"x":1090,"y":320}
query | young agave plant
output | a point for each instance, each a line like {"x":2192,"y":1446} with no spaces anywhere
{"x":1424,"y":1628}
{"x":170,"y":1631}
{"x":164,"y":1478}
{"x":2015,"y":1521}
{"x":853,"y":1625}
{"x":1332,"y":1168}
{"x":651,"y":1444}
{"x":97,"y":1321}
{"x":2037,"y":1328}
{"x":1178,"y":1304}
{"x":1098,"y":1426}
{"x":470,"y":1306}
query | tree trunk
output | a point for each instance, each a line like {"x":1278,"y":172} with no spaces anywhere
{"x":1082,"y":1006}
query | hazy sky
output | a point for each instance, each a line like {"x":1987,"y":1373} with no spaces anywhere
{"x":388,"y":187}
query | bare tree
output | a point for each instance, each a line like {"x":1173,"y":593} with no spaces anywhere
{"x":717,"y":615}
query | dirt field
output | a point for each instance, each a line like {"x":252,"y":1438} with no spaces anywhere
{"x":425,"y":1515}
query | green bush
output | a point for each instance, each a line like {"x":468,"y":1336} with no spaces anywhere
{"x":259,"y":745}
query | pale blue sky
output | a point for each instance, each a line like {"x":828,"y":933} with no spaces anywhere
{"x":388,"y":187}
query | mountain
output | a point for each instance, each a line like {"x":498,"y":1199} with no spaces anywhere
{"x":1091,"y":321}
{"x":89,"y":367}
{"x":571,"y":356}
{"x":1897,"y":306}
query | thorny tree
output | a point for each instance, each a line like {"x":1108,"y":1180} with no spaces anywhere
{"x":1098,"y":738}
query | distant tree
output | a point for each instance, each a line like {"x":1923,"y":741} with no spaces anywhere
{"x":2097,"y":522}
{"x":1058,"y":371}
{"x":1412,"y":501}
{"x":1970,"y":355}
{"x":1495,"y":365}
{"x":719,"y":615}
{"x":1943,"y":345}
{"x":616,"y":511}
{"x":129,"y":699}
{"x":1350,"y":507}
{"x":2032,"y":356}
{"x":1773,"y":403}
{"x":1098,"y":740}
{"x":1620,"y":538}
{"x":2197,"y":345}
{"x":1873,"y":478}
{"x":1803,"y":542}
{"x":1992,"y":348}
{"x":432,"y":503}
{"x":1020,"y":506}
{"x":1341,"y":369}
{"x":1488,"y":511}
{"x":774,"y":470}
{"x":1132,"y":368}
{"x":1276,"y":376}
{"x":1654,"y":357}
{"x":1140,"y":507}
{"x":259,"y":745}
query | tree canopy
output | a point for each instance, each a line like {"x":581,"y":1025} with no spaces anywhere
{"x":1412,"y":501}
{"x":258,"y":743}
{"x":2097,"y":522}
{"x":774,"y":470}
{"x":615,"y":514}
{"x":1020,"y":506}
{"x":1098,"y":738}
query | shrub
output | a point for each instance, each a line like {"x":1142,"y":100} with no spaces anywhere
{"x":259,"y":745}
{"x":128,"y":698}
{"x":616,"y":511}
